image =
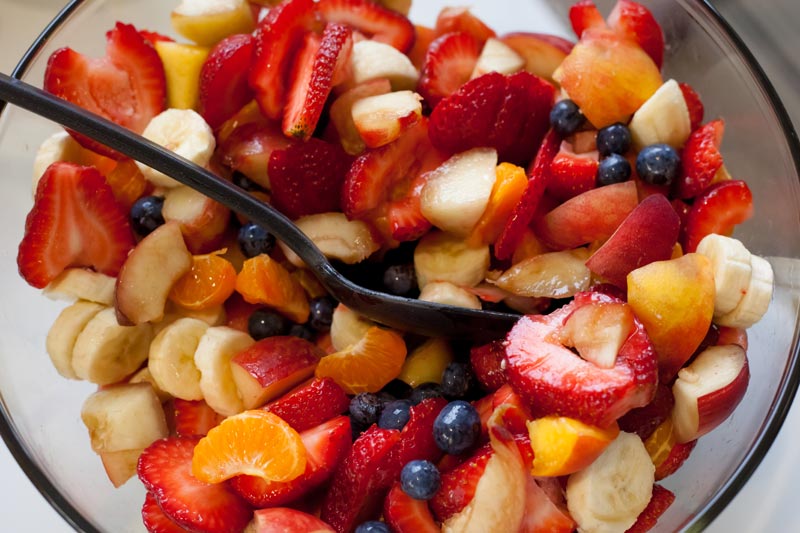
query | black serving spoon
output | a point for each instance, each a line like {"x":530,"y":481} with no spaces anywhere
{"x":405,"y":314}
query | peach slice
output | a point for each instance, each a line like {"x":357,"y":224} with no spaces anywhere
{"x":542,"y":53}
{"x":562,"y":445}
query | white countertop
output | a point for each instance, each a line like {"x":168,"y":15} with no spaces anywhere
{"x":766,"y":503}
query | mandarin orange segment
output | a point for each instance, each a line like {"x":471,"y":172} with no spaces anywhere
{"x":127,"y":182}
{"x":263,"y":280}
{"x":209,"y":282}
{"x":508,"y":187}
{"x":562,"y":446}
{"x":254,"y":443}
{"x":367,"y":365}
{"x":660,"y":443}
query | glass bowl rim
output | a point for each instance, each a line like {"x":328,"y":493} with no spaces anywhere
{"x":772,"y":424}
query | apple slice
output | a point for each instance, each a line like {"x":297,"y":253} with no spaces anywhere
{"x":380,"y":119}
{"x":120,"y":466}
{"x":663,"y":118}
{"x":372,"y":60}
{"x":341,"y":114}
{"x":349,"y":241}
{"x":203,"y":221}
{"x":497,"y":56}
{"x":542,"y":53}
{"x":708,"y":390}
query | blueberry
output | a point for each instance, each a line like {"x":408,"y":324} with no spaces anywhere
{"x":420,"y":479}
{"x":255,"y":240}
{"x":658,"y":164}
{"x":566,"y":117}
{"x":613,"y":169}
{"x":365,"y":408}
{"x":302,"y":331}
{"x":457,"y":380}
{"x":321,"y":312}
{"x":145,"y":214}
{"x":395,"y":415}
{"x":613,"y":139}
{"x":423,"y":391}
{"x":373,"y":526}
{"x":264,"y":323}
{"x":400,"y":280}
{"x":457,"y":427}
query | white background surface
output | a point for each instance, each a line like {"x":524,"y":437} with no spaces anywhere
{"x":766,"y":503}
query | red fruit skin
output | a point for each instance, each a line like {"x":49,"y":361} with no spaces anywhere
{"x":459,"y":483}
{"x":644,"y":420}
{"x":700,"y":159}
{"x":486,"y":361}
{"x":404,"y":216}
{"x":372,"y":19}
{"x":404,"y":514}
{"x":659,"y":502}
{"x":237,"y":312}
{"x":194,"y":418}
{"x":268,"y":357}
{"x":460,"y":19}
{"x":677,"y":456}
{"x":449,"y":62}
{"x":638,"y":23}
{"x":326,"y":446}
{"x":694,"y":104}
{"x":571,"y":173}
{"x":249,"y":147}
{"x":584,"y":15}
{"x":165,"y":469}
{"x":542,"y":513}
{"x":224,"y":86}
{"x":717,"y":210}
{"x":327,"y":397}
{"x":153,"y":37}
{"x":154,"y":519}
{"x":552,"y":380}
{"x":75,"y":221}
{"x":306,"y":178}
{"x":284,"y":519}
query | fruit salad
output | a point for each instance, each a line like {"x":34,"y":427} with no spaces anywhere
{"x":568,"y":181}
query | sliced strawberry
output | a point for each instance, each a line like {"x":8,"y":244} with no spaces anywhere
{"x":700,"y":159}
{"x":404,"y":216}
{"x":542,"y":513}
{"x":75,"y":221}
{"x":644,"y":420}
{"x":277,"y":39}
{"x":584,"y":15}
{"x":352,"y":498}
{"x":538,"y":178}
{"x":224,"y":86}
{"x":694,"y":103}
{"x":154,"y":519}
{"x":638,"y":23}
{"x":677,"y":456}
{"x":316,"y":65}
{"x":571,"y":173}
{"x":448,"y":65}
{"x":487,"y":362}
{"x":153,"y":37}
{"x":326,"y":446}
{"x":165,"y":469}
{"x":717,"y":210}
{"x":659,"y":502}
{"x":306,"y":178}
{"x":328,"y":399}
{"x":460,"y":19}
{"x":458,"y":484}
{"x":404,"y":514}
{"x":127,"y":86}
{"x":372,"y":19}
{"x":194,"y":418}
{"x":287,"y":519}
{"x":248,"y":147}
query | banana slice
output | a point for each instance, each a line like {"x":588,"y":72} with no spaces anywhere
{"x":663,"y":118}
{"x":58,"y":147}
{"x":732,"y":271}
{"x":82,"y":284}
{"x":184,"y":132}
{"x":347,"y":327}
{"x":371,"y":60}
{"x":756,"y":298}
{"x":64,"y":332}
{"x":441,"y":256}
{"x":349,"y":241}
{"x":171,"y":360}
{"x":106,"y":352}
{"x":213,"y":357}
{"x":608,"y":495}
{"x":444,"y":292}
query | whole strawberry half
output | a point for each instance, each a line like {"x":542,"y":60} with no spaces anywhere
{"x":718,"y":209}
{"x":75,"y":221}
{"x":637,"y":22}
{"x":154,"y":519}
{"x":127,"y":86}
{"x":327,"y":397}
{"x":371,"y":19}
{"x":700,"y":159}
{"x":224,"y":86}
{"x":449,"y":62}
{"x":404,"y":514}
{"x":459,"y":483}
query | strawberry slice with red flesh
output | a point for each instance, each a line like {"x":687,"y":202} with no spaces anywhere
{"x":194,"y":418}
{"x":277,"y":39}
{"x":404,"y":514}
{"x":700,"y":159}
{"x":553,"y":380}
{"x":224,"y":87}
{"x":678,"y":454}
{"x":659,"y":502}
{"x":404,"y":216}
{"x":306,"y":178}
{"x":543,"y":514}
{"x":460,"y":19}
{"x":638,"y":23}
{"x":717,"y":210}
{"x":327,"y":397}
{"x":153,"y":37}
{"x":486,"y":361}
{"x":75,"y":222}
{"x":165,"y":469}
{"x":318,"y":63}
{"x":458,"y":484}
{"x":644,"y":420}
{"x":154,"y":519}
{"x":449,"y":62}
{"x":694,"y":103}
{"x":127,"y":86}
{"x":373,"y":20}
{"x":249,"y":147}
{"x":352,"y":497}
{"x":326,"y":446}
{"x":521,"y":216}
{"x":584,"y":15}
{"x":572,"y":173}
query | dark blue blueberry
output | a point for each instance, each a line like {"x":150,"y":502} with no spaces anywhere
{"x":365,"y":408}
{"x":255,"y":240}
{"x":423,"y":391}
{"x":302,"y":331}
{"x":264,"y":323}
{"x":457,"y":380}
{"x":373,"y":526}
{"x":395,"y":415}
{"x":658,"y":164}
{"x":613,"y":139}
{"x":420,"y":479}
{"x":613,"y":169}
{"x":145,"y":214}
{"x":400,"y":279}
{"x":321,"y":312}
{"x":566,"y":117}
{"x":457,"y":428}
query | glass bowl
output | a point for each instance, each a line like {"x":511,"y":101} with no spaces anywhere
{"x":40,"y":419}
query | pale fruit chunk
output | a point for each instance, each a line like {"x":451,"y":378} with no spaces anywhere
{"x":64,"y":332}
{"x":757,"y":297}
{"x":542,"y":53}
{"x":456,"y":193}
{"x":182,"y":65}
{"x":60,"y":146}
{"x":349,"y":241}
{"x":496,"y":56}
{"x":347,"y":327}
{"x":171,"y":358}
{"x":732,"y":270}
{"x":441,"y":256}
{"x":380,"y":119}
{"x":203,"y":221}
{"x":427,"y":362}
{"x":552,"y":275}
{"x":145,"y":376}
{"x":82,"y":284}
{"x":598,"y":331}
{"x":372,"y":60}
{"x":341,"y":113}
{"x":124,"y":417}
{"x":106,"y":352}
{"x":663,"y":118}
{"x":120,"y":466}
{"x":213,"y":357}
{"x":207,"y":22}
{"x":147,"y":276}
{"x":444,"y":292}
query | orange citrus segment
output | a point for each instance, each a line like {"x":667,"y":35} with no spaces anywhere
{"x":562,"y":445}
{"x":506,"y":192}
{"x":367,"y":365}
{"x":660,"y":443}
{"x":263,"y":280}
{"x":209,"y":282}
{"x":127,"y":182}
{"x":255,"y":443}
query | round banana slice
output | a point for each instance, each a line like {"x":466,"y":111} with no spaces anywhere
{"x":756,"y":298}
{"x":82,"y":284}
{"x":730,"y":261}
{"x":171,"y":361}
{"x":213,"y":358}
{"x":64,"y":332}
